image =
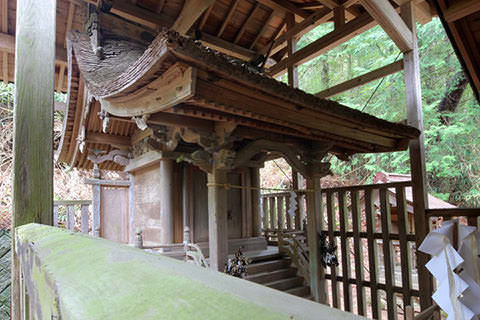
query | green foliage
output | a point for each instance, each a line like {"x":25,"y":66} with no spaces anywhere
{"x":452,"y":151}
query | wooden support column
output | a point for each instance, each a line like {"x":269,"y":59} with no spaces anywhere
{"x":217,"y":219}
{"x":318,"y":283}
{"x":417,"y":154}
{"x":187,"y":193}
{"x":256,"y":213}
{"x":33,"y":118}
{"x":292,"y":47}
{"x":166,"y":201}
{"x":96,"y":200}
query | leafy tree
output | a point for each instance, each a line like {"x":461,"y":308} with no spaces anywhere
{"x":451,"y":113}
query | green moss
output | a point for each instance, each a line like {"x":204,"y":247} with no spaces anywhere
{"x":96,"y":279}
{"x":82,"y":277}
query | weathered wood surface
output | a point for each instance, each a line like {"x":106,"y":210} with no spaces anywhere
{"x":217,"y":219}
{"x":314,"y":220}
{"x":33,"y":119}
{"x":204,"y":294}
{"x":413,"y":97}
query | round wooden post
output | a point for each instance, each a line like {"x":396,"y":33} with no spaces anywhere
{"x":217,"y":219}
{"x":166,"y":201}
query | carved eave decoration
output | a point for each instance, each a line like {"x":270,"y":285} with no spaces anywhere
{"x":215,"y":110}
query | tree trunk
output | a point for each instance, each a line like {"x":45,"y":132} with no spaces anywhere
{"x":453,"y":94}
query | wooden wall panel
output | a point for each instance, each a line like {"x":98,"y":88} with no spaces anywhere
{"x":114,"y":214}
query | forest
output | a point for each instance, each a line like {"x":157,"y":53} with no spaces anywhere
{"x":451,"y":117}
{"x":451,"y":112}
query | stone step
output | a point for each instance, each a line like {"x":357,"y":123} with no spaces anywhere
{"x":266,"y":266}
{"x":266,"y":277}
{"x":285,"y":284}
{"x":302,"y":291}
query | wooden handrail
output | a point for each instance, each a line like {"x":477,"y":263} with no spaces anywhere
{"x":370,"y":186}
{"x":290,"y":244}
{"x":72,"y":202}
{"x":453,"y":212}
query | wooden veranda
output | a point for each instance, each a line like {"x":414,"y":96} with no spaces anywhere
{"x":193,"y":81}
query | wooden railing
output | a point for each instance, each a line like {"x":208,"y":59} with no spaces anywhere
{"x":359,"y":218}
{"x":276,"y":217}
{"x":375,"y":276}
{"x":469,"y":216}
{"x":190,"y":251}
{"x":73,"y":215}
{"x":294,"y":245}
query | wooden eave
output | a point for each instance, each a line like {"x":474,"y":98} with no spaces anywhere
{"x":241,"y":28}
{"x":176,"y":76}
{"x":461,"y":20}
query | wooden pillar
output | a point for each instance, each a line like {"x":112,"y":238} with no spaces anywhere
{"x":96,"y":200}
{"x":217,"y":219}
{"x":292,"y":47}
{"x":256,"y":213}
{"x":186,"y":202}
{"x":166,"y":201}
{"x":417,"y":154}
{"x":33,"y":118}
{"x":318,"y":283}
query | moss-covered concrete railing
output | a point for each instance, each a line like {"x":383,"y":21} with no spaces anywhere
{"x":69,"y":275}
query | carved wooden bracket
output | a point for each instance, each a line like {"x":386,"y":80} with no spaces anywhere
{"x":93,"y":30}
{"x":293,"y":156}
{"x":141,"y":121}
{"x":104,"y":116}
{"x":120,"y":157}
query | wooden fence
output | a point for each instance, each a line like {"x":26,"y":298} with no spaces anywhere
{"x":275,"y":216}
{"x":372,"y":278}
{"x":73,"y":215}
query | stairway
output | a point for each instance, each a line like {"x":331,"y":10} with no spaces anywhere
{"x":277,"y":272}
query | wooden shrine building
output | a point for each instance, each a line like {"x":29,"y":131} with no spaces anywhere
{"x":182,"y":96}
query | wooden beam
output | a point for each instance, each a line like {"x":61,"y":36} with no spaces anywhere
{"x":413,"y":97}
{"x":325,"y":43}
{"x":7,"y":44}
{"x":205,"y":17}
{"x":141,"y":16}
{"x":331,"y":4}
{"x":68,"y":25}
{"x":339,"y":17}
{"x":262,"y":31}
{"x":246,"y":23}
{"x":61,"y":78}
{"x":386,"y":16}
{"x":227,"y":47}
{"x":4,"y":29}
{"x":461,"y":9}
{"x":192,"y":10}
{"x":316,"y":18}
{"x":110,"y":139}
{"x":292,"y":47}
{"x":284,"y":7}
{"x":361,"y":80}
{"x":33,"y":124}
{"x":227,"y":18}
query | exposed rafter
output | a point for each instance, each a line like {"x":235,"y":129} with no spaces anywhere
{"x":325,"y":43}
{"x":386,"y":16}
{"x":192,"y":10}
{"x":246,"y":23}
{"x":228,"y":17}
{"x":361,"y":80}
{"x":460,"y":9}
{"x":284,"y":6}
{"x":7,"y":44}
